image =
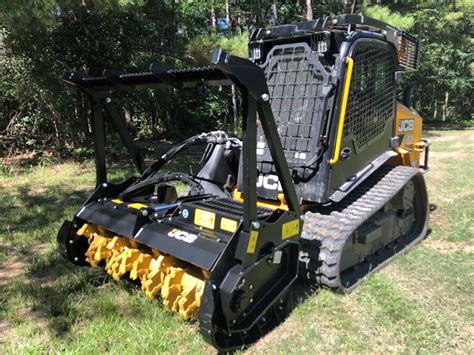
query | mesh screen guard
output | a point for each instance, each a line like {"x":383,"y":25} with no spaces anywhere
{"x":299,"y":86}
{"x":372,"y":94}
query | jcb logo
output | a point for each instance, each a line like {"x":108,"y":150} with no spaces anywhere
{"x":269,"y":182}
{"x":182,"y":235}
{"x":406,"y":125}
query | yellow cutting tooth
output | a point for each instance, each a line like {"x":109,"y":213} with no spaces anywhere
{"x":159,"y":267}
{"x":88,"y":231}
{"x":140,"y":266}
{"x":98,"y":250}
{"x":181,"y":288}
{"x":127,"y":259}
{"x":190,"y":296}
{"x":118,"y":243}
{"x":113,"y":265}
{"x":171,"y":290}
{"x":134,"y":244}
{"x":116,"y":246}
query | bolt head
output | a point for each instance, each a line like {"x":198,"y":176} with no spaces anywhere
{"x":108,"y":100}
{"x":265,"y":97}
{"x":250,"y":287}
{"x":104,"y":185}
{"x":255,"y":225}
{"x":251,"y":300}
{"x":71,"y":241}
{"x":334,"y":22}
{"x":144,"y":213}
{"x":268,"y":32}
{"x":76,"y":259}
{"x":302,"y":217}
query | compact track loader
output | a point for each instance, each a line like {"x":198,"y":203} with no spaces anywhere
{"x":327,"y":183}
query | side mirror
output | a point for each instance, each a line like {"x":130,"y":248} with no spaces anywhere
{"x":408,"y":94}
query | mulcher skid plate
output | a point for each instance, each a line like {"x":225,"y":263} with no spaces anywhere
{"x":384,"y":217}
{"x":196,"y":254}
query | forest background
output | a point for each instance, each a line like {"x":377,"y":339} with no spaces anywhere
{"x":43,"y":116}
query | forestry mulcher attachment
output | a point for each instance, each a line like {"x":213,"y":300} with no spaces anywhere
{"x":326,"y":185}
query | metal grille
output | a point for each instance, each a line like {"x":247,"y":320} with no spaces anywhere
{"x":409,"y":53}
{"x":298,"y":86}
{"x":372,"y":94}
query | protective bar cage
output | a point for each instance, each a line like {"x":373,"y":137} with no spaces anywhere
{"x":299,"y":86}
{"x":225,"y":69}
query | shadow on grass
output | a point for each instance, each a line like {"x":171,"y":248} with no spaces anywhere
{"x":48,"y":283}
{"x":59,"y":294}
{"x":38,"y":211}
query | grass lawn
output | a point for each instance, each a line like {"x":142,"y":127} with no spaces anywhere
{"x":423,"y":301}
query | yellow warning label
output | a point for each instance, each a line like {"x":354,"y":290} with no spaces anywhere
{"x":117,"y":201}
{"x":137,"y":206}
{"x":290,"y":229}
{"x":228,"y":225}
{"x":204,"y":219}
{"x":252,"y":242}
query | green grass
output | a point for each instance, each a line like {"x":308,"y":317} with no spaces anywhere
{"x":422,"y":302}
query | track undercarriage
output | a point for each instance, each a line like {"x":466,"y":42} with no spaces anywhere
{"x":345,"y":242}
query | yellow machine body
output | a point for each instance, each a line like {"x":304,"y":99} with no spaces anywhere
{"x":409,"y":126}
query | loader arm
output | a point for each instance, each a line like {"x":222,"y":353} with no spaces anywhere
{"x":245,"y":251}
{"x":225,"y":69}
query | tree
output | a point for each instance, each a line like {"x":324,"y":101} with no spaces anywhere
{"x":41,"y":40}
{"x":346,"y":6}
{"x":309,"y":10}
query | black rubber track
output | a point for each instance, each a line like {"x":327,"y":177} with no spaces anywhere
{"x":326,"y":232}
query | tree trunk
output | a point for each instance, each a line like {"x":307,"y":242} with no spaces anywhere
{"x":309,"y":10}
{"x":235,"y":110}
{"x":346,"y":6}
{"x":227,"y":12}
{"x":446,"y":105}
{"x":239,"y":18}
{"x":258,"y":13}
{"x":174,"y":24}
{"x":275,"y":11}
{"x":213,"y":17}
